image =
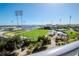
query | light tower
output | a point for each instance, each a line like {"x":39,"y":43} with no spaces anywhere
{"x":51,"y":22}
{"x":11,"y":22}
{"x":60,"y":20}
{"x":19,"y":13}
{"x":70,"y":20}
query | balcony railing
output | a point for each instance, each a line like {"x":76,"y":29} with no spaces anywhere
{"x":62,"y":50}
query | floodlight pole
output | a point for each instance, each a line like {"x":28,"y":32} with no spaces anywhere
{"x":12,"y":22}
{"x":70,"y":20}
{"x":21,"y":17}
{"x":19,"y":13}
{"x":17,"y":20}
{"x":21,"y":20}
{"x":52,"y":22}
{"x":16,"y":13}
{"x":60,"y":21}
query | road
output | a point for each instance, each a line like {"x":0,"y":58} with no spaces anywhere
{"x":53,"y":43}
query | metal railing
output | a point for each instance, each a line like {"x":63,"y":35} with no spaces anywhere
{"x":58,"y":50}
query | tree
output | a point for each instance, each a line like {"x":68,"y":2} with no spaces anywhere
{"x":13,"y":43}
{"x":3,"y":42}
{"x":10,"y":46}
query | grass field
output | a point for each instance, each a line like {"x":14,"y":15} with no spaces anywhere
{"x":72,"y":35}
{"x":33,"y":34}
{"x":12,"y":33}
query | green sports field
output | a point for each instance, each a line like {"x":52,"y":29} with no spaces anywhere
{"x":33,"y":34}
{"x":72,"y":35}
{"x":12,"y":33}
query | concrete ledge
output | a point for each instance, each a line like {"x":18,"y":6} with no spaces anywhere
{"x":58,"y":50}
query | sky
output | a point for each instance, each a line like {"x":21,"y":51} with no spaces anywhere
{"x":39,"y":13}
